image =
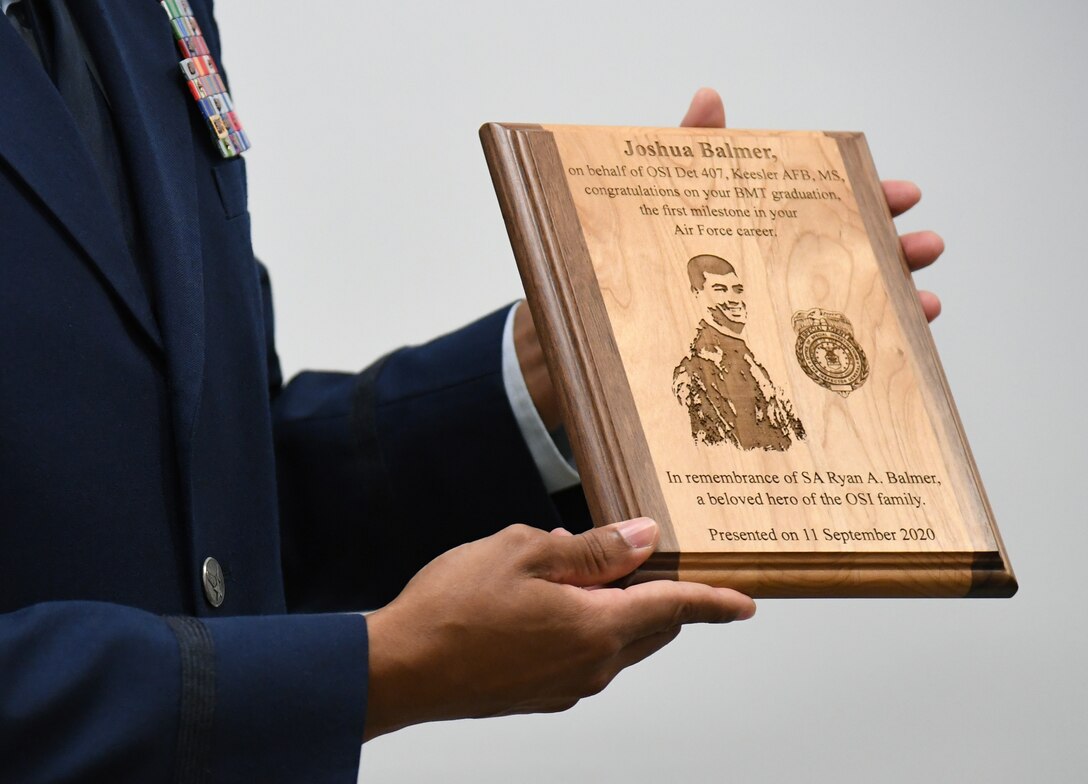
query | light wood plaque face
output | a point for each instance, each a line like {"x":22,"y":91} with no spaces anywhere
{"x":741,"y":356}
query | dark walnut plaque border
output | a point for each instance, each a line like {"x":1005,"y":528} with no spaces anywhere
{"x":599,"y":409}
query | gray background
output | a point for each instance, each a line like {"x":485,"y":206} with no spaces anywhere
{"x":372,"y":205}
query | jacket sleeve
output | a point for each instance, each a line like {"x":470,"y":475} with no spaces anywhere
{"x":381,"y":471}
{"x":101,"y":692}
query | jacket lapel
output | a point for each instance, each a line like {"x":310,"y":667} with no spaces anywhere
{"x":40,"y":141}
{"x":133,"y":48}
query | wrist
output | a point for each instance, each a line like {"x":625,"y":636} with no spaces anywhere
{"x":534,"y":369}
{"x":385,"y":708}
{"x":400,"y":691}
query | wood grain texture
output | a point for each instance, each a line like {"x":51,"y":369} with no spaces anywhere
{"x":991,"y":571}
{"x":573,"y":325}
{"x":608,"y":225}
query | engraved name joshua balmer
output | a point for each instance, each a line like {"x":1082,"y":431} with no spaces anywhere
{"x":656,"y":149}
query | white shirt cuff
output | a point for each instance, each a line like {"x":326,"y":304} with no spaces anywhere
{"x":557,"y":473}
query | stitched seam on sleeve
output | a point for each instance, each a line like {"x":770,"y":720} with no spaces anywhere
{"x":193,"y":755}
{"x":364,"y":427}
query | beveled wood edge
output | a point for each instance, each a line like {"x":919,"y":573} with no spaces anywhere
{"x":887,"y":559}
{"x":861,"y":171}
{"x":575,"y":333}
{"x":839,"y":575}
{"x":997,"y":582}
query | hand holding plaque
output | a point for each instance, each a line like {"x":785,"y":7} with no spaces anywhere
{"x":741,"y":355}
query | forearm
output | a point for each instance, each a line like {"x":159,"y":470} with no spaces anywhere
{"x":380,"y":472}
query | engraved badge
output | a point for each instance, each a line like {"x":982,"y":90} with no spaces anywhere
{"x":827,"y":351}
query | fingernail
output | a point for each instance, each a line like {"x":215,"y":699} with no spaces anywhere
{"x":744,"y":615}
{"x":638,"y":533}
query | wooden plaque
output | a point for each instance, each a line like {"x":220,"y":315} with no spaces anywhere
{"x":740,"y":355}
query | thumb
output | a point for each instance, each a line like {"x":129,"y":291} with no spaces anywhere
{"x":600,"y":556}
{"x":706,"y":110}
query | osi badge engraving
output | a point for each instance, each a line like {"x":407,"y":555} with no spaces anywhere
{"x":828,"y":352}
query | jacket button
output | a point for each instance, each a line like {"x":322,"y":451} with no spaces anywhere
{"x":215,"y":588}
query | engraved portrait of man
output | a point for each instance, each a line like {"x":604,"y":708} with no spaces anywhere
{"x":729,"y":395}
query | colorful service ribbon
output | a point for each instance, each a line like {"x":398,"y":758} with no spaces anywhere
{"x":204,"y":82}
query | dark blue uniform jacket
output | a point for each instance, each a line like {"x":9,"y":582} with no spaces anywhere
{"x":144,"y":427}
